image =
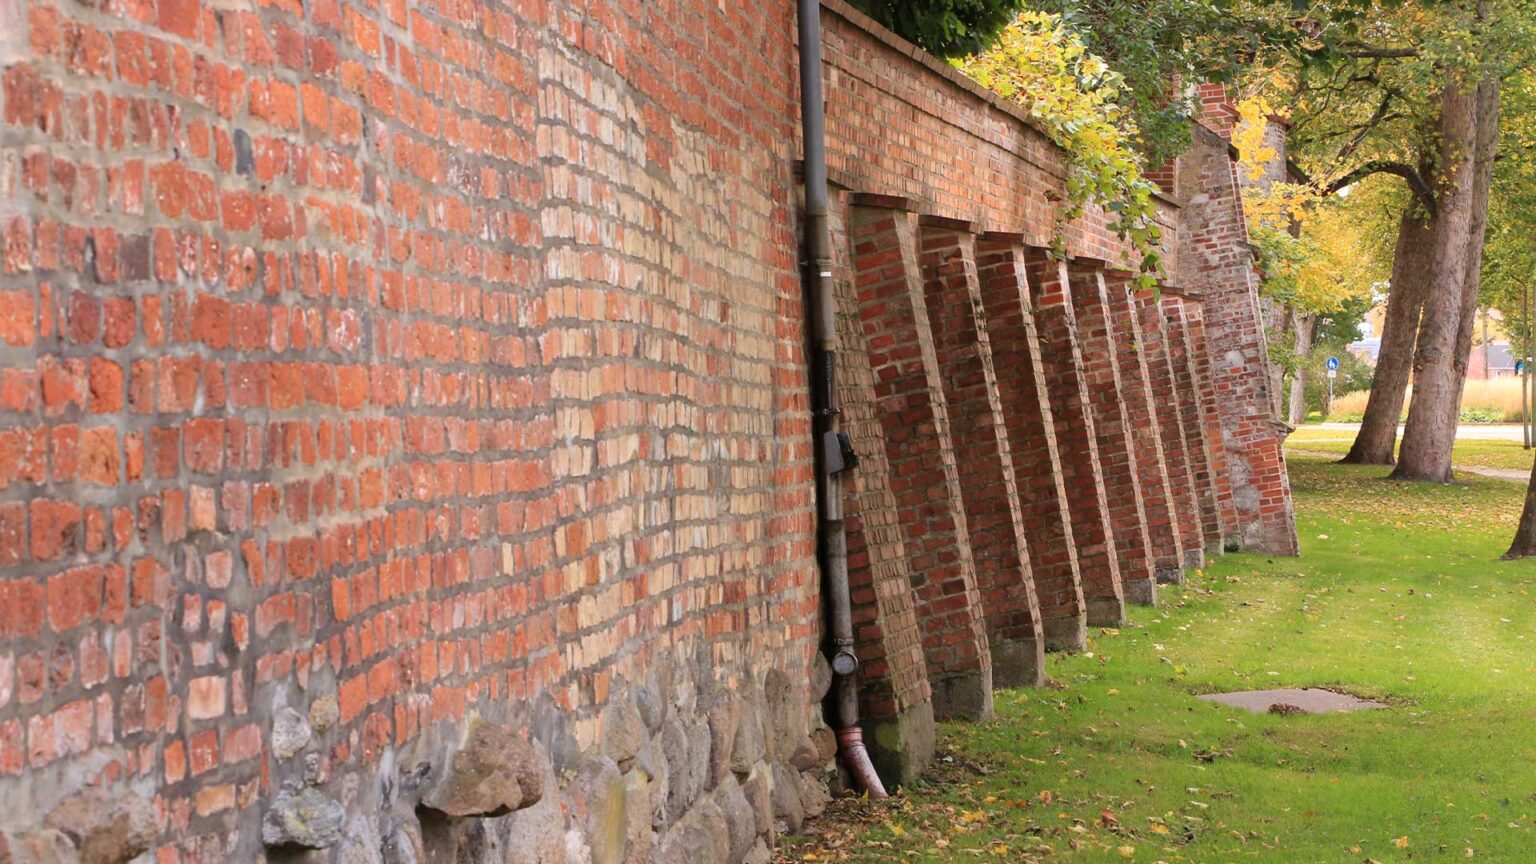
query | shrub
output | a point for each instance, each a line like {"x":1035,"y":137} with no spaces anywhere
{"x":1496,"y":400}
{"x":946,"y":28}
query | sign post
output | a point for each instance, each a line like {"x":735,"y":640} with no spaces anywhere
{"x":1333,"y":372}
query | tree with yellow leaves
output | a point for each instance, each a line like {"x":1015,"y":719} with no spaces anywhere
{"x":1316,"y":257}
{"x":1079,"y":100}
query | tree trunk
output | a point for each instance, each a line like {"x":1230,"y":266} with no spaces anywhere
{"x":1437,"y":371}
{"x":1482,"y":180}
{"x":1305,"y":327}
{"x":1411,"y":262}
{"x":1524,"y":545}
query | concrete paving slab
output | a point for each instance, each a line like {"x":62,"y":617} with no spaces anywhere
{"x":1292,"y":700}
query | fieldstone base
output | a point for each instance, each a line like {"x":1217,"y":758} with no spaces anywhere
{"x":1018,"y":662}
{"x":901,"y":747}
{"x":1170,"y":574}
{"x":682,"y":768}
{"x":1194,"y":559}
{"x":1105,"y":612}
{"x":1142,"y":592}
{"x":1065,"y":634}
{"x":967,"y":696}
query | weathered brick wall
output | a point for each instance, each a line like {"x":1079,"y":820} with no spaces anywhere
{"x":1030,"y":424}
{"x":895,"y":698}
{"x":1107,"y":395}
{"x":1210,"y":420}
{"x":373,"y":367}
{"x":1177,"y":456}
{"x":989,"y":489}
{"x":1188,"y":383}
{"x":1218,"y":265}
{"x":1163,"y":534}
{"x":919,"y":442}
{"x":1087,"y":501}
{"x":390,"y":392}
{"x":962,"y":152}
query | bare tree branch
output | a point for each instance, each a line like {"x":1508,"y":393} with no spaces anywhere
{"x":1364,"y":51}
{"x":1409,"y":174}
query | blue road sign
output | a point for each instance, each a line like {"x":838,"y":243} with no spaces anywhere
{"x":1333,"y":363}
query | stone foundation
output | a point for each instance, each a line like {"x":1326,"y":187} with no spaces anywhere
{"x":686,"y":765}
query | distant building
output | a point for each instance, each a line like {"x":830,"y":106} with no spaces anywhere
{"x":1491,"y":355}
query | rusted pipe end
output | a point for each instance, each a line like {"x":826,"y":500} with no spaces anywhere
{"x":855,"y":756}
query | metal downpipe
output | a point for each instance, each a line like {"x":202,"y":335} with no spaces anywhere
{"x":830,"y":528}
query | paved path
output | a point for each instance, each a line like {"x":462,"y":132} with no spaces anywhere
{"x":1465,"y":432}
{"x":1513,"y":475}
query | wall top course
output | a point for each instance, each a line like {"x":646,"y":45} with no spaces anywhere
{"x":994,"y":164}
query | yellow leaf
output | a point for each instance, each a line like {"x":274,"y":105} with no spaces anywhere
{"x":1126,"y":851}
{"x":1401,"y":842}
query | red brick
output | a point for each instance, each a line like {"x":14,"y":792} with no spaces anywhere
{"x":100,"y":456}
{"x":18,"y":318}
{"x":203,"y":445}
{"x":55,"y":528}
{"x":207,"y":697}
{"x":106,"y":383}
{"x":74,"y":597}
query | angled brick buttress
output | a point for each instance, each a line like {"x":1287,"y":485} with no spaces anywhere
{"x":1167,"y":408}
{"x":914,"y":415}
{"x":1218,"y":264}
{"x":1033,"y":447}
{"x":895,"y":701}
{"x":984,"y":462}
{"x":1092,"y":532}
{"x":1112,"y":426}
{"x":1156,"y":488}
{"x":1198,"y":446}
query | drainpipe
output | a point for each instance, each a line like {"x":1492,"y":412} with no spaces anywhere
{"x":832,"y":454}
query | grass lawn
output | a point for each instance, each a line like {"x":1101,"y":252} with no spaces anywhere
{"x":1398,"y":596}
{"x":1480,"y":452}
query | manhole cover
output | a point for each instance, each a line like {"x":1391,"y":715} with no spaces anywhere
{"x":1292,"y":700}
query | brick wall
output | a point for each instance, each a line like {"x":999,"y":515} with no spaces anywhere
{"x":1146,"y":434}
{"x":1188,"y":383}
{"x":961,"y":153}
{"x":1166,"y":408}
{"x":388,"y":388}
{"x":895,"y":698}
{"x":1210,"y":420}
{"x":989,"y":489}
{"x":1218,"y":265}
{"x":379,"y":367}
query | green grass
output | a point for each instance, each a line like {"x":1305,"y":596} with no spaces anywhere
{"x":1477,"y":452}
{"x":1398,"y":596}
